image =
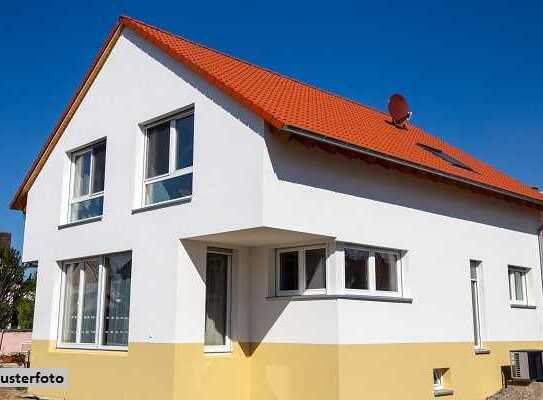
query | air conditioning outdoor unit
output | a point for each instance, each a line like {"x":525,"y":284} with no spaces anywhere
{"x":527,"y":364}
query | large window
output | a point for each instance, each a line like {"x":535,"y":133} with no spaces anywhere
{"x":168,"y":159}
{"x":217,"y":324}
{"x":301,"y":271}
{"x":368,"y":270}
{"x":475,"y":305}
{"x":96,"y":302}
{"x":87,"y":182}
{"x":517,"y":285}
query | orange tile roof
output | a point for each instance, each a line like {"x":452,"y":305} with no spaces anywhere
{"x":284,"y":102}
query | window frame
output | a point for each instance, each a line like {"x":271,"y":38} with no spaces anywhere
{"x":511,"y":269}
{"x":476,"y":308}
{"x":172,"y":156}
{"x":302,"y":289}
{"x":372,"y":283}
{"x":71,"y":198}
{"x":227,"y":346}
{"x":100,"y":307}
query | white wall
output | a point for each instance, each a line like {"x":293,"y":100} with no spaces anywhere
{"x":441,"y":228}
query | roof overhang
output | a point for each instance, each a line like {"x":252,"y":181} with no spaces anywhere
{"x":259,"y":236}
{"x":19,"y":200}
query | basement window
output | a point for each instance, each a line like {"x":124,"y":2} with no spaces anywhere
{"x":441,"y":382}
{"x":444,"y":156}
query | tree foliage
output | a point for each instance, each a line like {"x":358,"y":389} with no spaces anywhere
{"x":16,"y":291}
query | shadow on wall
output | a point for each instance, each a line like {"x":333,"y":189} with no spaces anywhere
{"x":247,"y":335}
{"x":293,"y":162}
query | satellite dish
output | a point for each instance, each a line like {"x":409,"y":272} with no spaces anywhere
{"x":398,"y":109}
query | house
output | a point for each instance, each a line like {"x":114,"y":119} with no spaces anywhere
{"x":5,"y":240}
{"x":206,"y":228}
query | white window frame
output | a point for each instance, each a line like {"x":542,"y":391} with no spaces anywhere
{"x":100,"y":310}
{"x":372,"y":291}
{"x":172,"y":172}
{"x":511,"y":269}
{"x":302,"y":289}
{"x":227,"y":346}
{"x":476,"y":308}
{"x":74,"y":200}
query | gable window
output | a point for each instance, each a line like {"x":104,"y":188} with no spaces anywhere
{"x":301,"y":271}
{"x":368,"y":270}
{"x":87,"y":182}
{"x":168,"y":159}
{"x":96,"y":302}
{"x":517,"y":285}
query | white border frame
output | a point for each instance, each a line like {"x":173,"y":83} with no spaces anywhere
{"x":100,"y":310}
{"x":372,"y":291}
{"x":227,"y":346}
{"x":302,"y":290}
{"x":172,"y":172}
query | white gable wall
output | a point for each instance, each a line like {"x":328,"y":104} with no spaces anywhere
{"x":139,"y":82}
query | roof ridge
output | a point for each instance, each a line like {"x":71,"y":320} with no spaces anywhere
{"x":222,"y":53}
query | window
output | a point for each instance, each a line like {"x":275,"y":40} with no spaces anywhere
{"x":476,"y":312}
{"x":442,"y":381}
{"x":96,"y":302}
{"x":517,"y":285}
{"x":372,"y":270}
{"x":87,"y":182}
{"x":301,"y":271}
{"x":217,"y":325}
{"x":446,"y":157}
{"x":438,"y":379}
{"x":168,"y":159}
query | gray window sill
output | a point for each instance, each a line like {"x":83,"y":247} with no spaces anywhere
{"x":390,"y":299}
{"x":482,"y":351}
{"x":443,"y":392}
{"x":164,"y":204}
{"x":80,"y":222}
{"x":525,"y":306}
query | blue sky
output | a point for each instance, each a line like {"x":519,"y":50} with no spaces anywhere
{"x":472,"y":71}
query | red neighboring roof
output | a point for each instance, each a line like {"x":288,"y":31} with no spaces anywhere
{"x":286,"y":103}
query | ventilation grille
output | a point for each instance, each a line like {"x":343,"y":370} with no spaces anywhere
{"x":515,"y":365}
